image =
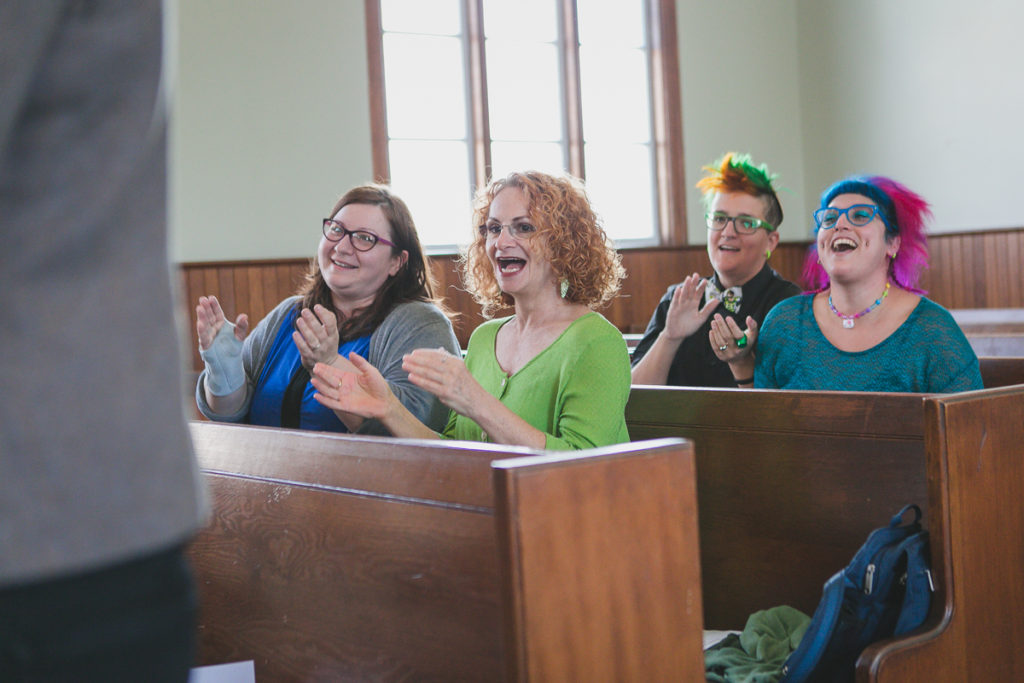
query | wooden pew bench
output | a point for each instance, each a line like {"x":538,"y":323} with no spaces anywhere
{"x":333,"y":557}
{"x":1001,"y":371}
{"x":992,"y":331}
{"x":790,"y":483}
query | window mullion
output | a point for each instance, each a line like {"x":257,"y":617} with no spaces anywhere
{"x":666,"y":105}
{"x":479,"y":120}
{"x":573,"y":125}
{"x":378,"y":104}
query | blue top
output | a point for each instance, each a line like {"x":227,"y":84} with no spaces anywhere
{"x":282,"y":363}
{"x":928,"y":353}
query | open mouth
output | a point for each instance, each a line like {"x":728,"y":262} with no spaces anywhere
{"x":509,"y":265}
{"x":843,"y":244}
{"x":339,"y":264}
{"x":726,"y":247}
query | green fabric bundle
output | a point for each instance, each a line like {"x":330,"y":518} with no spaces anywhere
{"x":757,"y":654}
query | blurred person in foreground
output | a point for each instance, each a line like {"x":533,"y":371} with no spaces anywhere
{"x":99,"y":489}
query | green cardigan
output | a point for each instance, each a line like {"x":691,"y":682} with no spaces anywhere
{"x":574,"y":391}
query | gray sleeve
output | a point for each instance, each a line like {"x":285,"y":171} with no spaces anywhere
{"x":255,"y":350}
{"x":410,"y":326}
{"x":30,"y":26}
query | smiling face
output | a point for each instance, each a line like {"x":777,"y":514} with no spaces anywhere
{"x":850,"y":253}
{"x":354,"y":277}
{"x":737,"y":257}
{"x":519,"y":264}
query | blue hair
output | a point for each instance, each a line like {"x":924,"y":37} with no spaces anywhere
{"x":864,"y":185}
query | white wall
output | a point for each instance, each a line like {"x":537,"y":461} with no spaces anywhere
{"x":926,"y":91}
{"x":738,"y":63}
{"x":270,"y":117}
{"x":270,"y":124}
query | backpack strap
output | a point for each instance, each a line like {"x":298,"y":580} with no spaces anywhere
{"x":801,"y":662}
{"x":897,"y":519}
{"x":919,"y":584}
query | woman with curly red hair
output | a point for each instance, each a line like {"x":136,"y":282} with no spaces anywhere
{"x":553,"y":375}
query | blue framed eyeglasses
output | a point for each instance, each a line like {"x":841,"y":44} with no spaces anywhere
{"x":858,"y":214}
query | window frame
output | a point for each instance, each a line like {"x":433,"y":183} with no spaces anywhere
{"x":666,"y":105}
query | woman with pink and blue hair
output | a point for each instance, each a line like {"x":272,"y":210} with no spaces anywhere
{"x":865,"y":325}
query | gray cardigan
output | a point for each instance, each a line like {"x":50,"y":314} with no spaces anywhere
{"x":408,"y":326}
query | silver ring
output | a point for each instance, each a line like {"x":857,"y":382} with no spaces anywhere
{"x":723,"y":348}
{"x":316,"y":347}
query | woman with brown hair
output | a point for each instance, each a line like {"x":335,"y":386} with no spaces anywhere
{"x":368,"y":291}
{"x":553,"y":375}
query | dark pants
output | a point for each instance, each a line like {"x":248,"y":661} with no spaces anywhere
{"x":131,"y":622}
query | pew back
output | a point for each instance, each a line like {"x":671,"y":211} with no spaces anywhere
{"x":975,"y":473}
{"x":1001,"y":371}
{"x":335,"y":557}
{"x":364,"y":563}
{"x":992,"y":331}
{"x":789,"y":483}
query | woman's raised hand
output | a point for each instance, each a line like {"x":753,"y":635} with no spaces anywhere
{"x":316,"y":336}
{"x":729,"y":342}
{"x":210,"y":319}
{"x":363,"y":392}
{"x":443,"y":375}
{"x":685,"y":314}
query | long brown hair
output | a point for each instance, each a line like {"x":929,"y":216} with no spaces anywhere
{"x":412,"y":282}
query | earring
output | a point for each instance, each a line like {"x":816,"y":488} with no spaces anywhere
{"x":563,"y":287}
{"x":767,"y":254}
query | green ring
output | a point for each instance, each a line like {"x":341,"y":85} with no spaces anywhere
{"x":741,"y":342}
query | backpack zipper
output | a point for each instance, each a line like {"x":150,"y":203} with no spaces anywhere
{"x":869,"y":579}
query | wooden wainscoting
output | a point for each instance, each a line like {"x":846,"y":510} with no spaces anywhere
{"x":982,"y":269}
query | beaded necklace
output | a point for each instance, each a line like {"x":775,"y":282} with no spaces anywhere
{"x":848,"y":319}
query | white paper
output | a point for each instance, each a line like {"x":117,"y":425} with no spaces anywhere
{"x":235,"y":672}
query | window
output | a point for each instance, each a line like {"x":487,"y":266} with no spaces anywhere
{"x":463,"y":90}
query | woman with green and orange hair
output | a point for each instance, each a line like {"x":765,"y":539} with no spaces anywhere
{"x":743,"y":216}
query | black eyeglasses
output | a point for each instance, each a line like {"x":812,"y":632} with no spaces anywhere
{"x":746,"y":225}
{"x":362,"y":240}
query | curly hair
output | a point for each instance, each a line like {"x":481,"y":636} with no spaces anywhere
{"x":573,"y":242}
{"x":903,"y":212}
{"x":737,"y":173}
{"x":413,"y":282}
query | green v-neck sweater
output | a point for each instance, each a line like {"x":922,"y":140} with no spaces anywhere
{"x":574,"y":391}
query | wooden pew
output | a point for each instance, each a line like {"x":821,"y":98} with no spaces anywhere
{"x":789,"y":484}
{"x":1001,"y":371}
{"x":992,"y":331}
{"x":975,"y":479}
{"x":332,"y":557}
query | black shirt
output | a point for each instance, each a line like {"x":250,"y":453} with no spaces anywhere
{"x":695,"y":363}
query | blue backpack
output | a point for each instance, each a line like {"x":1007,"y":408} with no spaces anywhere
{"x":884,"y":591}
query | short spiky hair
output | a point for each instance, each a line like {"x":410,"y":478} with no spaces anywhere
{"x":737,"y":173}
{"x":904,"y":213}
